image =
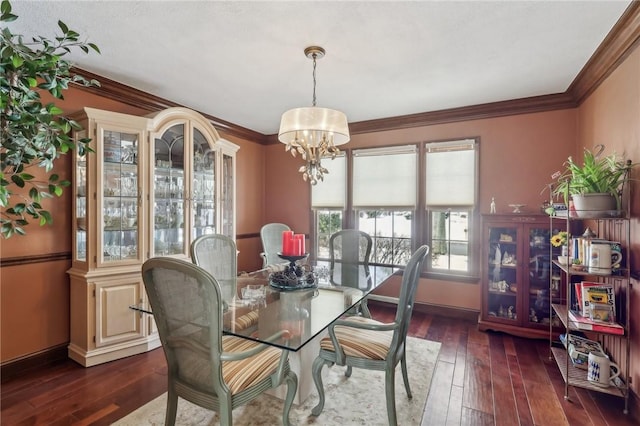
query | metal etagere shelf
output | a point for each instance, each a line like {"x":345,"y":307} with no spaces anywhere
{"x":612,"y":226}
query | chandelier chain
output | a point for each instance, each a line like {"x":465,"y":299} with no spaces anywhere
{"x":314,"y":78}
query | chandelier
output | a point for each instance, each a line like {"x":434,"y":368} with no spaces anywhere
{"x":313,"y":132}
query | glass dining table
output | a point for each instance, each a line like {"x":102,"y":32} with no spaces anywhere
{"x":296,"y":319}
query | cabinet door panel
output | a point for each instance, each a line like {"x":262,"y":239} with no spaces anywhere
{"x":115,"y":322}
{"x":119,"y":195}
{"x":170,"y":192}
{"x":503,"y":275}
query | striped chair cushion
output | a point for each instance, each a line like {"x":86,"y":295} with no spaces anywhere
{"x":238,"y":375}
{"x":360,"y":343}
{"x":245,"y":321}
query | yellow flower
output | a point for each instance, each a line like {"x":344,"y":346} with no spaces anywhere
{"x":559,"y":239}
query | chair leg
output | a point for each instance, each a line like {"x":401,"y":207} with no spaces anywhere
{"x":390,"y":391}
{"x":172,"y":407}
{"x":349,"y":371}
{"x":226,"y":412}
{"x":405,"y":375}
{"x":318,"y":363}
{"x":292,"y":387}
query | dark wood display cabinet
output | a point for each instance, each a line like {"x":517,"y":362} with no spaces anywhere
{"x":516,"y":268}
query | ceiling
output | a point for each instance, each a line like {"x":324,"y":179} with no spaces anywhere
{"x":243,"y":62}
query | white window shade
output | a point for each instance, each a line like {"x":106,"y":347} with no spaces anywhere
{"x":451,"y":173}
{"x":331,"y":192}
{"x":385,"y":177}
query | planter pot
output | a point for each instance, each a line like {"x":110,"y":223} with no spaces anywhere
{"x":594,"y":205}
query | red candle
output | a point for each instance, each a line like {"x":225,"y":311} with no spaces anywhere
{"x":299,"y":244}
{"x":287,"y":243}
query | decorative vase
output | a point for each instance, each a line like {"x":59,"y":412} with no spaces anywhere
{"x":565,"y":250}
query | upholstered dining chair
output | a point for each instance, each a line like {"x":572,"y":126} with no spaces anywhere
{"x":271,"y":236}
{"x":205,"y":367}
{"x":365,"y":343}
{"x":349,"y":255}
{"x":218,"y":255}
{"x":349,"y":250}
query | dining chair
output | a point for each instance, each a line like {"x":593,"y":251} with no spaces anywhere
{"x":205,"y":367}
{"x":365,"y":343}
{"x":349,"y":255}
{"x":218,"y":255}
{"x":349,"y":250}
{"x":271,"y":236}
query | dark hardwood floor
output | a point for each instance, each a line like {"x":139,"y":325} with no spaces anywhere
{"x":480,"y":379}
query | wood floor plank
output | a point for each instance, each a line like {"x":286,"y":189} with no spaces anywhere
{"x":461,"y":355}
{"x":134,"y":396}
{"x":471,"y":417}
{"x":544,"y":405}
{"x":454,"y":413}
{"x":450,"y":343}
{"x":437,"y":329}
{"x":478,"y":389}
{"x":437,"y":406}
{"x":519,"y":392}
{"x":504,"y":404}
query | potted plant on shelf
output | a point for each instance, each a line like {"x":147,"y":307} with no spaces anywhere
{"x":597,"y":185}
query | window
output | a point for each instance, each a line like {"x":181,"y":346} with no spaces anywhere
{"x":449,"y":240}
{"x":328,"y":222}
{"x":328,"y":202}
{"x":450,"y":194}
{"x":404,"y":196}
{"x":384,"y":197}
{"x":390,"y":231}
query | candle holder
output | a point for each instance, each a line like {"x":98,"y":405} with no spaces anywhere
{"x":292,"y":258}
{"x":294,"y":277}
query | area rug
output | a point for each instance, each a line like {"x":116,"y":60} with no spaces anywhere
{"x":357,"y":400}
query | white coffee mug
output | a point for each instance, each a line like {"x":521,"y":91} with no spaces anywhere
{"x":599,"y":370}
{"x":601,"y":258}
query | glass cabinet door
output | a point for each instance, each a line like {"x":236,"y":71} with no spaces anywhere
{"x":80,"y":239}
{"x":227,"y":196}
{"x":537,"y":301}
{"x":120,"y":191}
{"x":542,"y":291}
{"x":203,"y":189}
{"x":169,"y":193}
{"x":503,"y":277}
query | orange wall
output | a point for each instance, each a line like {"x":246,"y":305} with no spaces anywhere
{"x":515,"y":166}
{"x":611,"y":116}
{"x":35,"y":308}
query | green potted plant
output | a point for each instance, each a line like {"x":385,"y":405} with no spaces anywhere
{"x":597,"y":185}
{"x":33,"y":134}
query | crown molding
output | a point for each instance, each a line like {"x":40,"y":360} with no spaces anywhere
{"x":623,"y":38}
{"x":472,"y":112}
{"x":128,"y":95}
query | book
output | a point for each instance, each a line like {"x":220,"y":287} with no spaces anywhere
{"x":579,"y":348}
{"x":591,"y":293}
{"x":587,"y":324}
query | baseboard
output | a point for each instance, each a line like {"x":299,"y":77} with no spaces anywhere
{"x":14,"y":368}
{"x":428,"y":308}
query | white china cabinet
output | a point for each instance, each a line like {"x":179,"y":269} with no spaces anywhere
{"x":151,"y":187}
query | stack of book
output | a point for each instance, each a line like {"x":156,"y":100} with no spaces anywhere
{"x":596,"y":308}
{"x":579,"y":348}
